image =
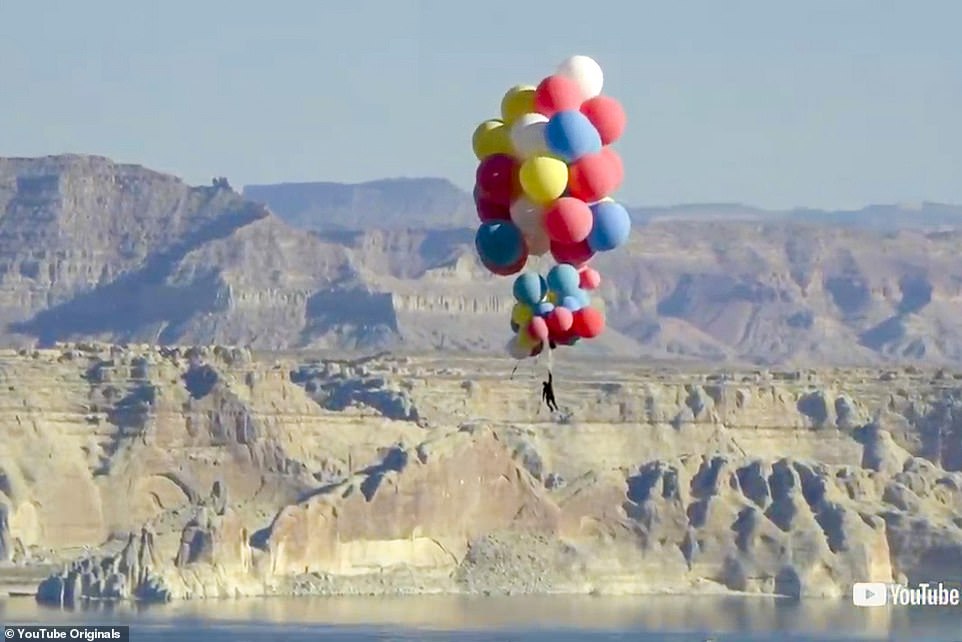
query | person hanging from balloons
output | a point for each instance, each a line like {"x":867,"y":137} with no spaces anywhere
{"x":543,"y":189}
{"x":547,"y":394}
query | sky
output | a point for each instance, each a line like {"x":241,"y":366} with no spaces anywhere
{"x":818,"y":103}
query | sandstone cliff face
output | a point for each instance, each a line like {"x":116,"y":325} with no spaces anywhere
{"x":195,"y":472}
{"x":93,"y":250}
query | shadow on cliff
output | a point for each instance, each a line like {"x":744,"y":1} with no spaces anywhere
{"x":142,"y":297}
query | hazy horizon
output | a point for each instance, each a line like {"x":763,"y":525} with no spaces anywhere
{"x":817,"y":105}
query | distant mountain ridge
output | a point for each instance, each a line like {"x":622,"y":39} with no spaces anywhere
{"x":91,"y":249}
{"x":402,"y":203}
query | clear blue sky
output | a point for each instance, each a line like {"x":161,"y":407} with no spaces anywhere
{"x":825,"y":103}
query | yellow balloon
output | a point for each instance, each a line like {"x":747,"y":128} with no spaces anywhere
{"x":491,"y":137}
{"x":553,"y":297}
{"x":526,"y":340}
{"x":521,"y":314}
{"x":544,"y":178}
{"x":519,"y":100}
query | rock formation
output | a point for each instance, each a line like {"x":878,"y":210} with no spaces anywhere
{"x":94,"y":250}
{"x":161,"y":473}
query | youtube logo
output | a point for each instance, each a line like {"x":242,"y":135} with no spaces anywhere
{"x":869,"y":593}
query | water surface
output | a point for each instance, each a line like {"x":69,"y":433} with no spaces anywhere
{"x":520,"y":619}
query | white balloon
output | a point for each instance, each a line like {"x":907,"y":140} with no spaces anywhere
{"x":527,"y":136}
{"x":528,"y":216}
{"x":585,"y":72}
{"x":538,"y":242}
{"x":516,"y":350}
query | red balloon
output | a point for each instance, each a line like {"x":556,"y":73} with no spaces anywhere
{"x":588,"y":323}
{"x":489,"y":210}
{"x":509,"y":269}
{"x":497,"y":178}
{"x":556,"y":93}
{"x":568,"y":220}
{"x":559,"y":321}
{"x":615,"y":159}
{"x":590,"y":279}
{"x":576,"y":254}
{"x":593,"y":177}
{"x":538,"y":328}
{"x":607,"y":115}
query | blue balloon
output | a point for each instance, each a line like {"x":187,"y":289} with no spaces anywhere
{"x":583,"y":297}
{"x":570,"y":135}
{"x":530,"y":288}
{"x":610,"y":226}
{"x":564,"y":279}
{"x":499,"y":243}
{"x":544,"y":308}
{"x":573,"y":303}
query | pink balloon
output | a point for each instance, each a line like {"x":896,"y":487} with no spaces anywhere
{"x":593,"y":177}
{"x":556,"y":93}
{"x":607,"y":115}
{"x":568,"y":220}
{"x":497,"y":179}
{"x":590,"y":278}
{"x":559,"y":321}
{"x":538,"y":329}
{"x":576,"y":254}
{"x":588,"y":323}
{"x":615,"y":159}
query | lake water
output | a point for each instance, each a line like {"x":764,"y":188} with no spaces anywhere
{"x":516,"y":619}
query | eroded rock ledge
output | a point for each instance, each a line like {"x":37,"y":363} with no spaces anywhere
{"x":159,"y":474}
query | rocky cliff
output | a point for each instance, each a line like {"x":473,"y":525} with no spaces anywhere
{"x":164,"y":473}
{"x":93,"y":250}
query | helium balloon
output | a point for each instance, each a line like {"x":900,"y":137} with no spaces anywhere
{"x":537,"y":350}
{"x":608,"y":117}
{"x":557,"y":93}
{"x":543,"y":178}
{"x":588,"y":323}
{"x":570,"y":135}
{"x":489,"y":210}
{"x":491,"y":137}
{"x":589,"y":278}
{"x":593,"y":177}
{"x":568,"y":220}
{"x":538,"y":242}
{"x":583,"y":297}
{"x":521,"y":314}
{"x":615,"y":159}
{"x":517,"y":349}
{"x":506,"y":270}
{"x":573,"y":303}
{"x":497,"y":178}
{"x":610,"y":228}
{"x":586,"y":74}
{"x":527,"y":135}
{"x":543,"y":309}
{"x":563,"y":279}
{"x":577,"y":254}
{"x":538,"y":328}
{"x":500,"y":244}
{"x":525,"y":338}
{"x":517,"y":101}
{"x":514,"y":327}
{"x":553,"y":298}
{"x":530,"y":288}
{"x":559,"y":321}
{"x":527,"y":215}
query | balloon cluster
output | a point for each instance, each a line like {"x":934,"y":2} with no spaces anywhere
{"x":544,"y":184}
